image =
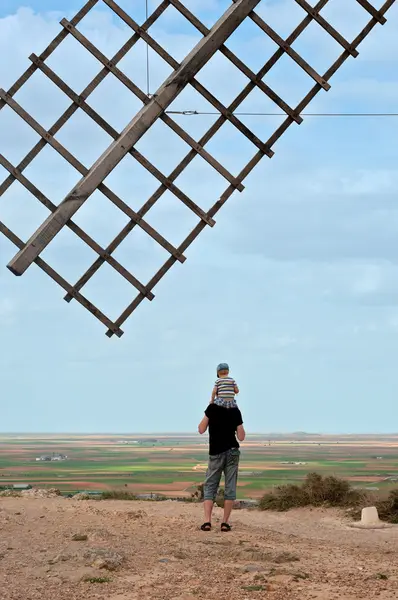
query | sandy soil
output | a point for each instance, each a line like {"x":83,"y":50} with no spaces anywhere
{"x":155,"y":551}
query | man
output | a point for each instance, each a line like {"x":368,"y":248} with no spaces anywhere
{"x":225,"y":425}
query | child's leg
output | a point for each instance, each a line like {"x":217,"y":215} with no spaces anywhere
{"x":226,"y":403}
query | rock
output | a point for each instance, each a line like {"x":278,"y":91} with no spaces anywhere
{"x":79,"y":537}
{"x":135,"y":514}
{"x":103,"y":559}
{"x":59,"y":558}
{"x":253,"y":569}
{"x":81,"y":496}
{"x":285,"y":557}
{"x":370,"y":516}
{"x":39,"y":493}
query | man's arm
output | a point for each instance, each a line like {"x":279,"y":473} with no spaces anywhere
{"x":240,"y":430}
{"x":203,"y":425}
{"x":236,"y":388}
{"x":240,"y":433}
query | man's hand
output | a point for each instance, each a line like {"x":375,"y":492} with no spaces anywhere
{"x":203,"y":425}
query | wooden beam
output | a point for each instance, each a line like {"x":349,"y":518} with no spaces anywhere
{"x":134,"y":131}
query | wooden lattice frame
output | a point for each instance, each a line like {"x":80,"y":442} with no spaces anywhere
{"x":155,"y":107}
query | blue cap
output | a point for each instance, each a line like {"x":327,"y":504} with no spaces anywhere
{"x":222,"y":367}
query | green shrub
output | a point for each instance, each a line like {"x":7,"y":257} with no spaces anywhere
{"x":97,"y":579}
{"x":315,"y":491}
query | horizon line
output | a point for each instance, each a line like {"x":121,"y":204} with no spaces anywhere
{"x":190,"y":433}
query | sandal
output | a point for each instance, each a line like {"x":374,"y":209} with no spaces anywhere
{"x":206,"y":527}
{"x":225,"y":527}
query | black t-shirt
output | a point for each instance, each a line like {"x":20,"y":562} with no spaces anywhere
{"x":223,"y":423}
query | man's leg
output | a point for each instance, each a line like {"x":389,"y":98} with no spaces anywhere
{"x":208,"y":508}
{"x":231,"y":478}
{"x":212,"y":482}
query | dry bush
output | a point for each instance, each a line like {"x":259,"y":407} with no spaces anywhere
{"x":315,"y":491}
{"x":388,"y":508}
{"x":118,"y":495}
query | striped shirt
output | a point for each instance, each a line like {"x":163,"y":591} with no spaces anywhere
{"x":225,"y":387}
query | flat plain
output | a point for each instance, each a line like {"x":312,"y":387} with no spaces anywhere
{"x":174,"y":464}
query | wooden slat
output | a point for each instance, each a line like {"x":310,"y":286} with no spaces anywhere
{"x":50,"y":49}
{"x":258,"y":156}
{"x":76,"y":229}
{"x":327,"y":27}
{"x":289,"y":51}
{"x":372,"y":11}
{"x":102,"y":188}
{"x":63,"y":283}
{"x":200,"y":88}
{"x":92,"y":86}
{"x":145,"y":100}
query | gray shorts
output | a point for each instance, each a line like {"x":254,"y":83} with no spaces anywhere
{"x":227,"y":463}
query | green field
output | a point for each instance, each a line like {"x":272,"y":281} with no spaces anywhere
{"x":174,"y":465}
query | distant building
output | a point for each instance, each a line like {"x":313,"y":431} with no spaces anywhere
{"x":127,"y":442}
{"x":21,"y":486}
{"x":51,"y":457}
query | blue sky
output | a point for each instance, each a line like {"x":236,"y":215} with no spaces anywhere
{"x":297,"y":284}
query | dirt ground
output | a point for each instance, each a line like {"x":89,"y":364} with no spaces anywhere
{"x":154,"y":550}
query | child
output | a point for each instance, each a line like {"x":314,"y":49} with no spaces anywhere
{"x":225,"y":388}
